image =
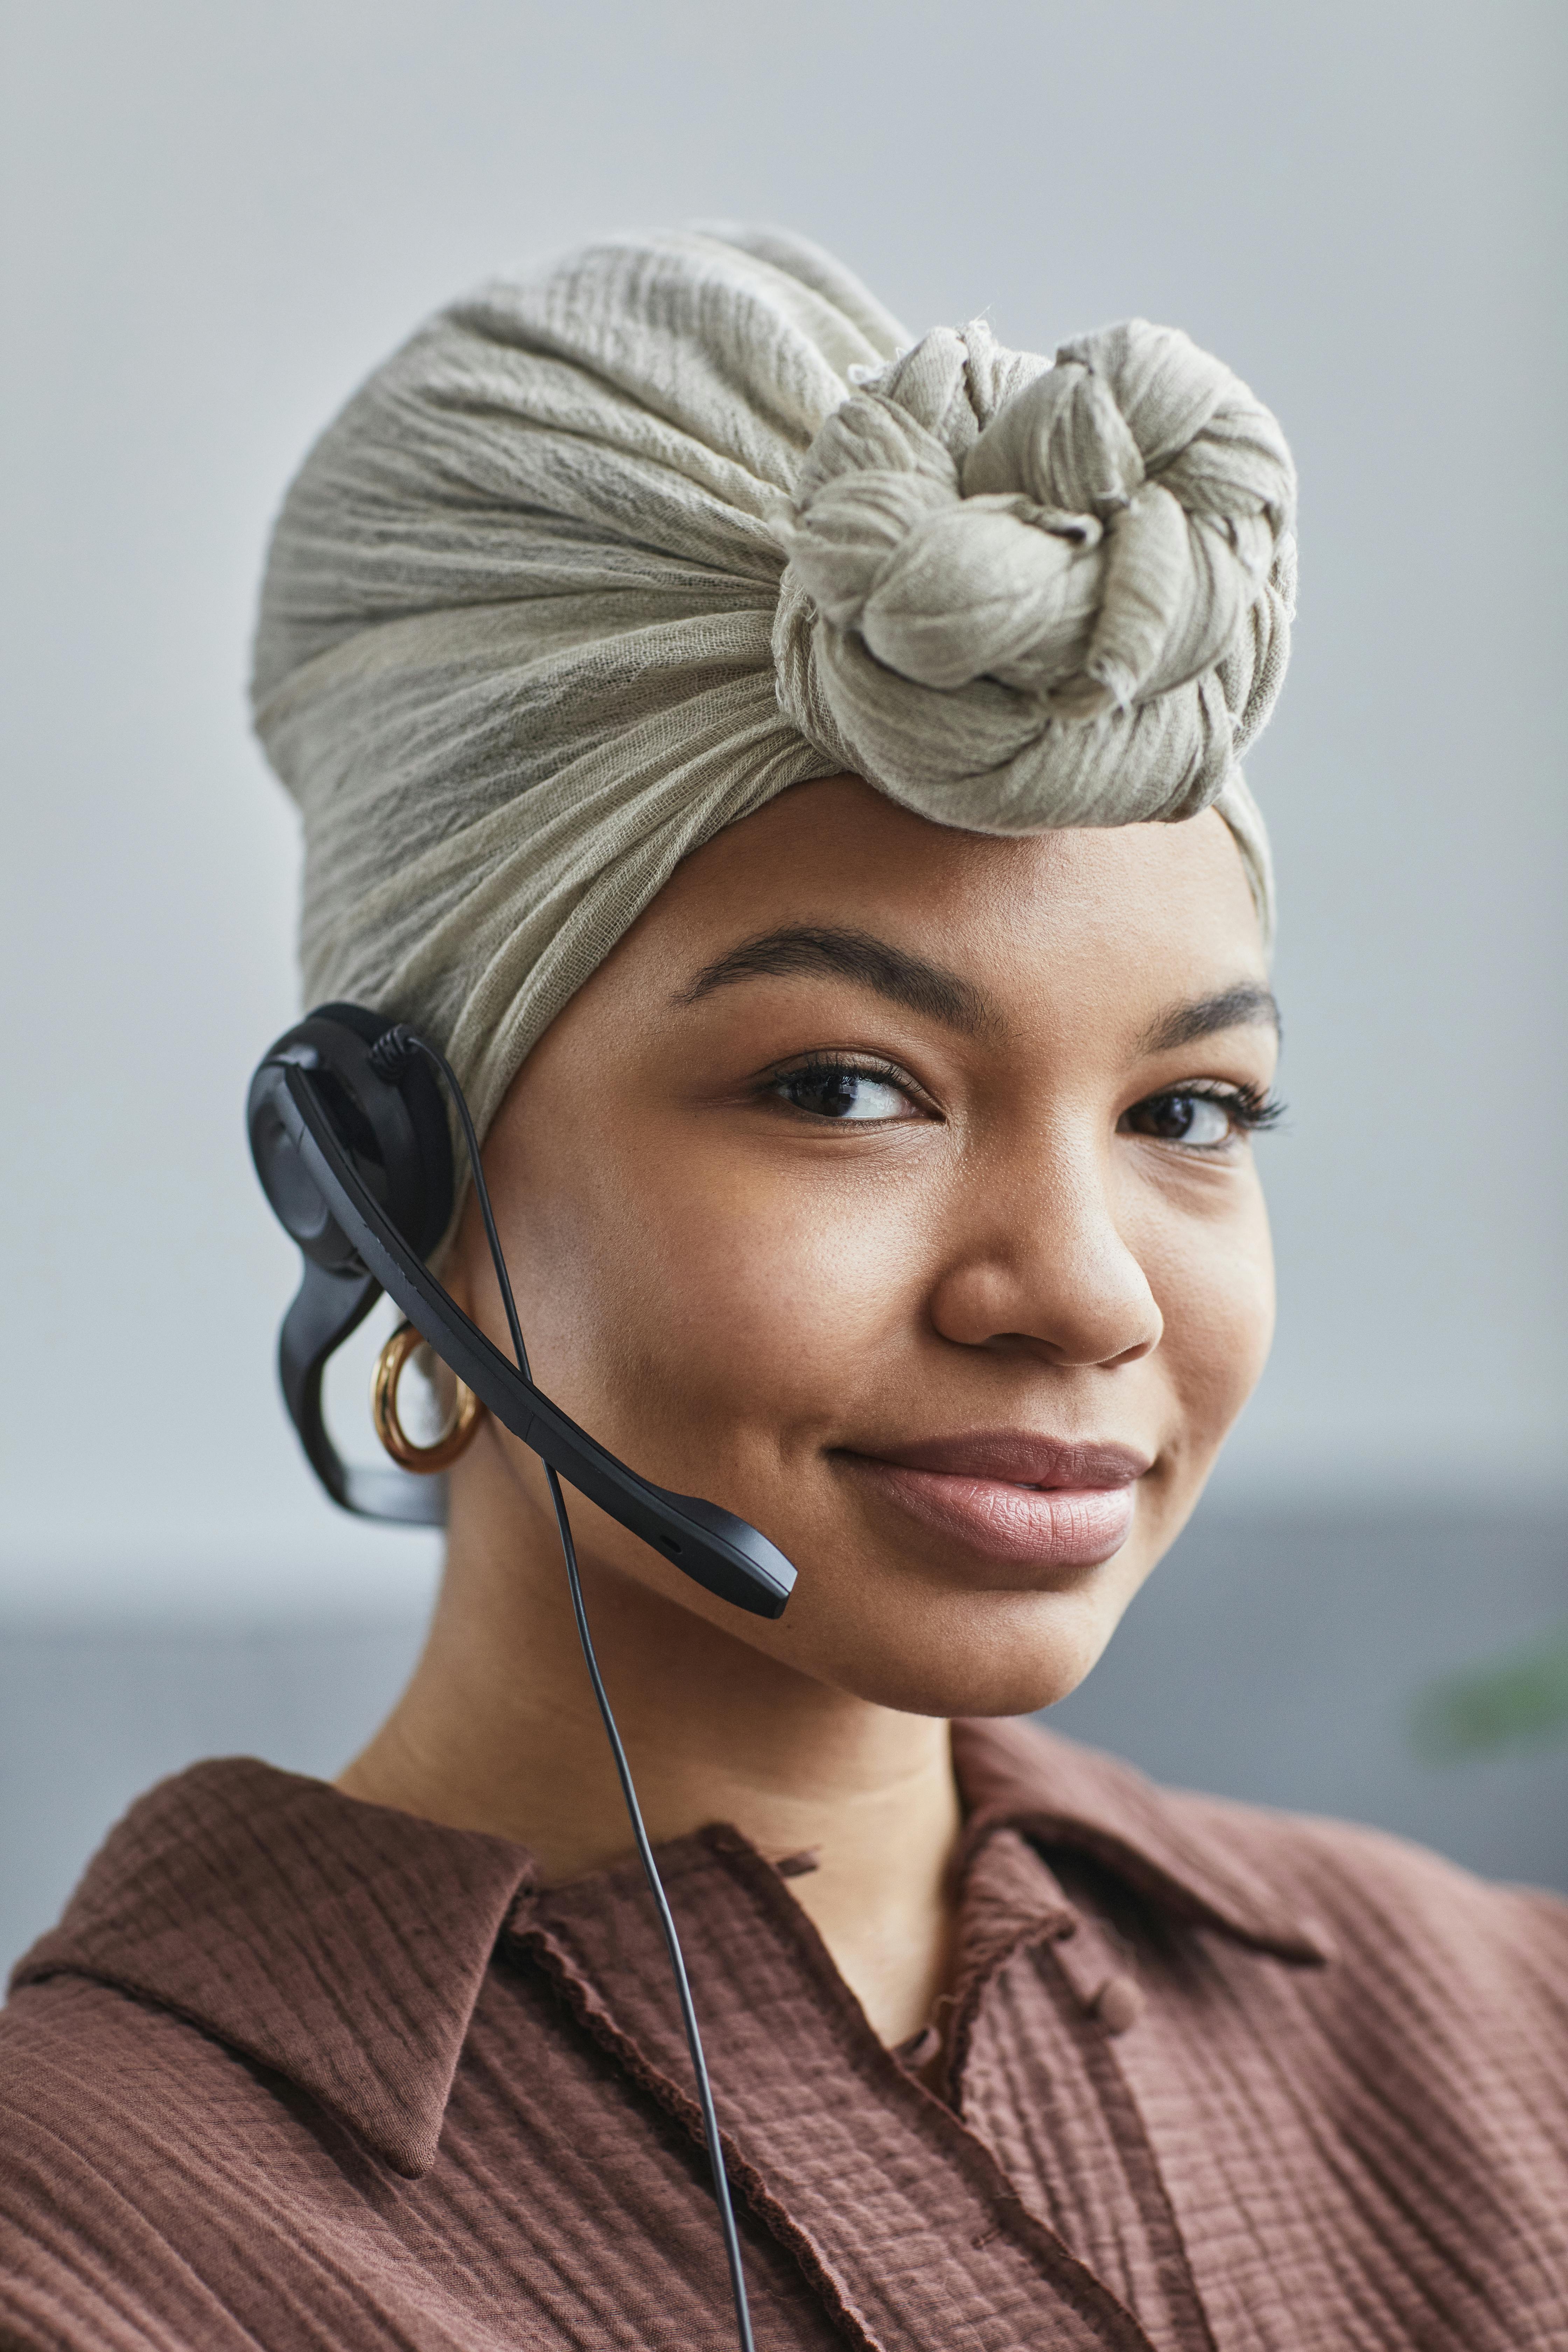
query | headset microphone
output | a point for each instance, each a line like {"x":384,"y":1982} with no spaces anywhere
{"x":351,"y":1143}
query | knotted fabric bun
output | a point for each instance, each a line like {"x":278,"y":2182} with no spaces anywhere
{"x":1022,"y":596}
{"x":611,"y":554}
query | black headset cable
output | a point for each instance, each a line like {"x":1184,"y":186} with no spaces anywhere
{"x":400,"y":1042}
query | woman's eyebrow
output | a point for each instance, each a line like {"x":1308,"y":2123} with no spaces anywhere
{"x":893,"y":972}
{"x":1247,"y":1005}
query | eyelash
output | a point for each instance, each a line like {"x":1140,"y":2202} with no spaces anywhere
{"x":820,"y":1067}
{"x":1252,"y":1110}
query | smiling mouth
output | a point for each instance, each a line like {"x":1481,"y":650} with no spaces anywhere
{"x":1013,"y":1498}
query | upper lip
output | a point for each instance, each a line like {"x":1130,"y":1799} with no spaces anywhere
{"x":1016,"y":1458}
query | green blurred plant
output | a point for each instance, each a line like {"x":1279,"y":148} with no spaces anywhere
{"x":1519,"y":1701}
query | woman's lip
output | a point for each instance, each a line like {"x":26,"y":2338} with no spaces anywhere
{"x":1016,"y":1458}
{"x":1031,"y":1502}
{"x":1025,"y":1527}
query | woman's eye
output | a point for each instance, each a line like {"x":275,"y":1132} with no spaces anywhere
{"x":837,"y":1092}
{"x":1204,"y":1120}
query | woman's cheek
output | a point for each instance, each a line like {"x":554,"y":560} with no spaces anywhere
{"x":763,"y":1295}
{"x":1214,"y":1279}
{"x":712,"y":1300}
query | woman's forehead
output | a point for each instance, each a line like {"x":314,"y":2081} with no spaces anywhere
{"x":835,"y":862}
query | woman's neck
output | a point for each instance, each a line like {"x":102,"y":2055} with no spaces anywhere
{"x":498,"y":1730}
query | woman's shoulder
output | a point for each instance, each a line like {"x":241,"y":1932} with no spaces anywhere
{"x":1384,"y":1903}
{"x":1293,"y":1882}
{"x":109,"y":2108}
{"x":228,"y":2016}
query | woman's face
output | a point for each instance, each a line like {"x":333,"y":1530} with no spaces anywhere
{"x":892,"y":1187}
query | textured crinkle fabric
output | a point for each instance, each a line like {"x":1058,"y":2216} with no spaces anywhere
{"x":297,"y":2073}
{"x":1022,"y":595}
{"x":610,"y":554}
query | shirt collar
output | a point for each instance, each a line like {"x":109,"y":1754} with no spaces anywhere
{"x":342,"y":1944}
{"x":1190,"y":1855}
{"x":345,"y":1944}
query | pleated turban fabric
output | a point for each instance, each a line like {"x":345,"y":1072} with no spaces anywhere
{"x":611,"y":554}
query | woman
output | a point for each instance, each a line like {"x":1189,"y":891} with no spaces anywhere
{"x":795,"y":780}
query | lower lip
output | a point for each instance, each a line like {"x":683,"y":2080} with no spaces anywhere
{"x":1026,"y":1527}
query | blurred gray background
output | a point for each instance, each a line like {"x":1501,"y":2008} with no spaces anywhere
{"x":218,"y":218}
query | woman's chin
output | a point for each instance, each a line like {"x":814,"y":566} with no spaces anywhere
{"x":1013,"y":1659}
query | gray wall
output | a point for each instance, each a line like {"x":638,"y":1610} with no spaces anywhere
{"x":219,"y":217}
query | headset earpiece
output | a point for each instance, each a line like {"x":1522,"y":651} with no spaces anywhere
{"x":391,"y":1126}
{"x":392,"y":1123}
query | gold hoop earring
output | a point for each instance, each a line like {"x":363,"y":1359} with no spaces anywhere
{"x":422,"y":1460}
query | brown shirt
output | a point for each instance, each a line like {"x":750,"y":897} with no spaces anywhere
{"x":299,"y":2074}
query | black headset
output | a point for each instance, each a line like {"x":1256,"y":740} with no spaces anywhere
{"x":350,"y":1141}
{"x":352,"y":1145}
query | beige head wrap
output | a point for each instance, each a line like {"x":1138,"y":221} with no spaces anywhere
{"x":608,"y":555}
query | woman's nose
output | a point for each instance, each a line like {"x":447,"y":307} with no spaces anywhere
{"x":1044,"y":1267}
